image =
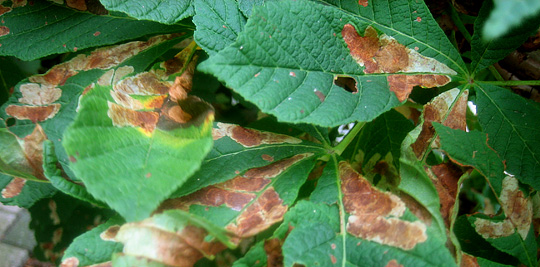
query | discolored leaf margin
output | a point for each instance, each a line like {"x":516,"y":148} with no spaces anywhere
{"x":156,"y":119}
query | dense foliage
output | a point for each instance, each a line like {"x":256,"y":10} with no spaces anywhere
{"x":211,"y":132}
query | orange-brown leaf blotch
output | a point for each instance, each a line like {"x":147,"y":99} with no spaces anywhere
{"x":363,"y":3}
{"x":122,"y":117}
{"x":4,"y":30}
{"x":375,"y":214}
{"x":250,"y":137}
{"x":14,"y":187}
{"x":33,"y":113}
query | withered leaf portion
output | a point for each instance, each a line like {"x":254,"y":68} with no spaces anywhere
{"x":22,"y":157}
{"x":144,"y":131}
{"x":374,"y":215}
{"x":383,"y":54}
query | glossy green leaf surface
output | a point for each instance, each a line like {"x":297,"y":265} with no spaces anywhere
{"x":43,"y":28}
{"x":298,"y":66}
{"x":511,"y":123}
{"x":163,"y":11}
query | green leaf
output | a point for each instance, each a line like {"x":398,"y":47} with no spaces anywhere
{"x":218,"y":24}
{"x":237,"y":149}
{"x":246,"y":6}
{"x":255,"y":257}
{"x":58,"y":179}
{"x":492,"y":43}
{"x":25,"y":192}
{"x":512,"y":124}
{"x":472,"y":149}
{"x":43,"y":28}
{"x":509,"y":14}
{"x":358,"y":228}
{"x":134,"y":143}
{"x":163,"y":11}
{"x":19,"y":157}
{"x":294,"y":59}
{"x":90,"y":248}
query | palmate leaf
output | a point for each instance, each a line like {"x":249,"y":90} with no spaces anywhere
{"x":136,"y":139}
{"x":512,"y":233}
{"x":43,"y":28}
{"x":512,"y":124}
{"x":353,"y":223}
{"x":163,"y":11}
{"x":297,"y":60}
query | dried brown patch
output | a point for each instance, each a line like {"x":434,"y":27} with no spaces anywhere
{"x":33,"y":150}
{"x":38,"y":95}
{"x":14,"y":187}
{"x":393,"y":263}
{"x":517,"y":208}
{"x":383,"y":54}
{"x":146,"y":83}
{"x":363,"y":3}
{"x":274,"y":169}
{"x":374,"y":214}
{"x":250,"y":137}
{"x":319,"y":94}
{"x":436,"y":111}
{"x":4,"y":10}
{"x":122,"y":117}
{"x":183,"y":83}
{"x":333,"y":259}
{"x":416,"y":208}
{"x":110,"y":233}
{"x":274,"y":254}
{"x":267,"y":157}
{"x":33,"y":113}
{"x":70,"y":262}
{"x":468,"y":261}
{"x":177,"y":114}
{"x":77,"y":4}
{"x":4,"y":30}
{"x":445,"y":177}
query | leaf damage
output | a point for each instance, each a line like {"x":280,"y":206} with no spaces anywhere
{"x":250,"y":137}
{"x":374,"y":215}
{"x":383,"y":54}
{"x":517,"y":208}
{"x":14,"y":188}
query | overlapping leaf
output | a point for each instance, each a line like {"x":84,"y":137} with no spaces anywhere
{"x":486,"y":51}
{"x":137,"y":140}
{"x":298,"y":60}
{"x":512,"y":124}
{"x":44,"y":28}
{"x":507,"y":15}
{"x":164,"y":11}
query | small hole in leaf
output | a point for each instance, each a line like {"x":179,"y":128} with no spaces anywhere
{"x":347,"y":83}
{"x":10,"y":122}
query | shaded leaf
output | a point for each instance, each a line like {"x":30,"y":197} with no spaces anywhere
{"x":164,"y":11}
{"x":237,"y":149}
{"x":509,"y":14}
{"x":218,"y":24}
{"x":22,"y":157}
{"x":151,"y":136}
{"x":10,"y":75}
{"x":512,"y":124}
{"x":492,"y":43}
{"x":302,"y":65}
{"x":91,"y":247}
{"x":43,"y":19}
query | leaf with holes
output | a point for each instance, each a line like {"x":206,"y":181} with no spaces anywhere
{"x":42,"y":19}
{"x":512,"y":124}
{"x":144,"y":132}
{"x":326,"y":65}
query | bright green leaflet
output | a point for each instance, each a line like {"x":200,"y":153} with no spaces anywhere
{"x":509,"y":14}
{"x":512,"y":124}
{"x":218,"y":24}
{"x":486,"y":51}
{"x":44,"y":28}
{"x":163,"y":11}
{"x":89,"y":248}
{"x":289,"y":53}
{"x":471,"y":149}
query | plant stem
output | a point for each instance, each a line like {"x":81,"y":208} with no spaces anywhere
{"x":513,"y":83}
{"x":459,"y":24}
{"x":349,"y":137}
{"x":495,"y":73}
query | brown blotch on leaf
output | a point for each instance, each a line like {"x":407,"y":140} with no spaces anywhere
{"x":243,"y":184}
{"x":70,"y":262}
{"x":402,"y":85}
{"x":276,"y":168}
{"x":177,"y":114}
{"x":333,"y":259}
{"x":416,"y":208}
{"x":122,"y":117}
{"x":72,"y":159}
{"x":363,"y":3}
{"x":393,"y":263}
{"x":33,"y":150}
{"x":445,"y":177}
{"x":319,"y":94}
{"x":14,"y":187}
{"x":4,"y":30}
{"x":250,"y":137}
{"x":97,"y":33}
{"x":274,"y":254}
{"x":213,"y":196}
{"x":347,"y":83}
{"x":77,"y":4}
{"x":267,"y":157}
{"x":110,"y":233}
{"x":517,"y":208}
{"x":146,"y":83}
{"x":182,"y":84}
{"x":436,"y":111}
{"x":38,"y":95}
{"x":374,"y":214}
{"x":468,"y":261}
{"x":4,"y":10}
{"x":33,"y":113}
